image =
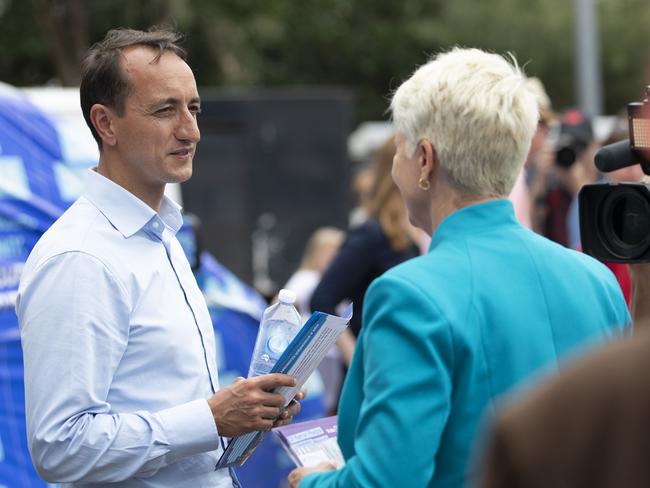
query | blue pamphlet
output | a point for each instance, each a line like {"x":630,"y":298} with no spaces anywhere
{"x":301,"y":357}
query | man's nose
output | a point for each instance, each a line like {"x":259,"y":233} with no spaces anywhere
{"x":187,"y":128}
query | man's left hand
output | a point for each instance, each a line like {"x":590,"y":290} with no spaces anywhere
{"x":296,"y":476}
{"x":292,"y":409}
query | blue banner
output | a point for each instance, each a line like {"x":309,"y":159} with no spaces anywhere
{"x":30,"y":201}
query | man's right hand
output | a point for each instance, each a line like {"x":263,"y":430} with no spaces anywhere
{"x":247,"y":406}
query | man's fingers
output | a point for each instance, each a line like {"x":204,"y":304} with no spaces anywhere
{"x":265,"y":424}
{"x":274,"y":380}
{"x":292,"y":409}
{"x":271,"y":399}
{"x":271,"y":413}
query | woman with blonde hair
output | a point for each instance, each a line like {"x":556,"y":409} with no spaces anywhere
{"x":491,"y":303}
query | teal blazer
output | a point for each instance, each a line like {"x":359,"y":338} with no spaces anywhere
{"x":445,"y":334}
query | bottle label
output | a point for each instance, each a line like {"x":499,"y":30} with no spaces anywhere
{"x":276,"y":344}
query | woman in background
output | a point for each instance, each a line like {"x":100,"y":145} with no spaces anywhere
{"x":321,"y":248}
{"x":379,"y":243}
{"x":382,"y":241}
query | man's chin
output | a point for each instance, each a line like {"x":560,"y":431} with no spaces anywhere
{"x":180,"y":176}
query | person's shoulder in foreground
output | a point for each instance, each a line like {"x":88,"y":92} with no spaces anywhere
{"x":586,"y":428}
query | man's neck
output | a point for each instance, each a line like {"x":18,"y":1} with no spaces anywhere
{"x":151,"y":195}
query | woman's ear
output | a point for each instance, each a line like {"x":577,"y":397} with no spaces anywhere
{"x":102,"y":119}
{"x":428,"y":159}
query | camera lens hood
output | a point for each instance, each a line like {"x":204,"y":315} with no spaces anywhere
{"x":624,"y":221}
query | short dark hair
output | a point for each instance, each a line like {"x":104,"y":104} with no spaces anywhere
{"x":102,"y":78}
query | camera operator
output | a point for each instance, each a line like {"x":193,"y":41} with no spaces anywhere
{"x":574,"y":150}
{"x":539,"y":162}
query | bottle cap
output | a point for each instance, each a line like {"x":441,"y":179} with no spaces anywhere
{"x":286,"y":296}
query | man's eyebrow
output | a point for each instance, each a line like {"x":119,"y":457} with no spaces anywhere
{"x":175,"y":101}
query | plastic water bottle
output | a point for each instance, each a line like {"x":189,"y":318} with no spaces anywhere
{"x":280,"y":324}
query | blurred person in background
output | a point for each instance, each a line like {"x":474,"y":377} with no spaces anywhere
{"x":533,"y":174}
{"x":121,"y":383}
{"x":321,"y":248}
{"x":582,"y":172}
{"x":383,"y":240}
{"x":362,"y":181}
{"x":491,"y":304}
{"x":572,"y":167}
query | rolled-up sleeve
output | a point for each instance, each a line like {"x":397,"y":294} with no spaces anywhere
{"x":74,"y":322}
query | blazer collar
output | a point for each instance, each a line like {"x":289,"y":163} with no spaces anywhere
{"x":475,"y":218}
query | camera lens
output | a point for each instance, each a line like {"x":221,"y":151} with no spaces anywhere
{"x":629,"y":222}
{"x":565,"y":157}
{"x":625,"y":223}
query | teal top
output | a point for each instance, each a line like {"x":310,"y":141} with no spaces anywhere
{"x":445,"y":334}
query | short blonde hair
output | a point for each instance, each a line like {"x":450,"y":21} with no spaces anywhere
{"x":476,"y":111}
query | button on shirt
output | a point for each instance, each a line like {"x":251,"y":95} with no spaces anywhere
{"x":118,"y":349}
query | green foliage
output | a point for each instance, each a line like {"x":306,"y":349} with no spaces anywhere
{"x":23,"y":48}
{"x":625,"y":49}
{"x":367,"y":45}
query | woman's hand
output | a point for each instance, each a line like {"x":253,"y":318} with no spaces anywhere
{"x":296,"y":476}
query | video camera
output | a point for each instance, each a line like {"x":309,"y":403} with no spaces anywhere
{"x":615,"y":217}
{"x":574,"y":136}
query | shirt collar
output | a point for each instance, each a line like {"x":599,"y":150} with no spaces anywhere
{"x":126,"y":212}
{"x":474,"y":218}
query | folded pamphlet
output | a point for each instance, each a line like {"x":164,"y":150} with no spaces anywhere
{"x":312,"y":442}
{"x":301,"y":357}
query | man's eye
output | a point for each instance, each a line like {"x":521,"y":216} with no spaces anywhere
{"x":195,"y":110}
{"x":164,"y":111}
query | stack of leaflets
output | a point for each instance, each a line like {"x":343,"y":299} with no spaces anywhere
{"x":312,"y":442}
{"x":301,"y":357}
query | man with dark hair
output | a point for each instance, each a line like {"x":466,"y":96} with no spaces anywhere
{"x":120,"y":359}
{"x":102,"y":78}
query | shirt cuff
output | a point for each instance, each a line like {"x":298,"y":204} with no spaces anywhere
{"x":190,"y":428}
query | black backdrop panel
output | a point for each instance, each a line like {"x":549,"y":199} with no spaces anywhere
{"x":271,"y":167}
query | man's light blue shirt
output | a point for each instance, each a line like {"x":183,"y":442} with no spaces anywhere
{"x":118,"y":349}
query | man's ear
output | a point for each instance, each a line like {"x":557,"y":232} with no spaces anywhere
{"x":428,"y":159}
{"x":102,"y":119}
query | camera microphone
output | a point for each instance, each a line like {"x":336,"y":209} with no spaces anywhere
{"x":616,"y":156}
